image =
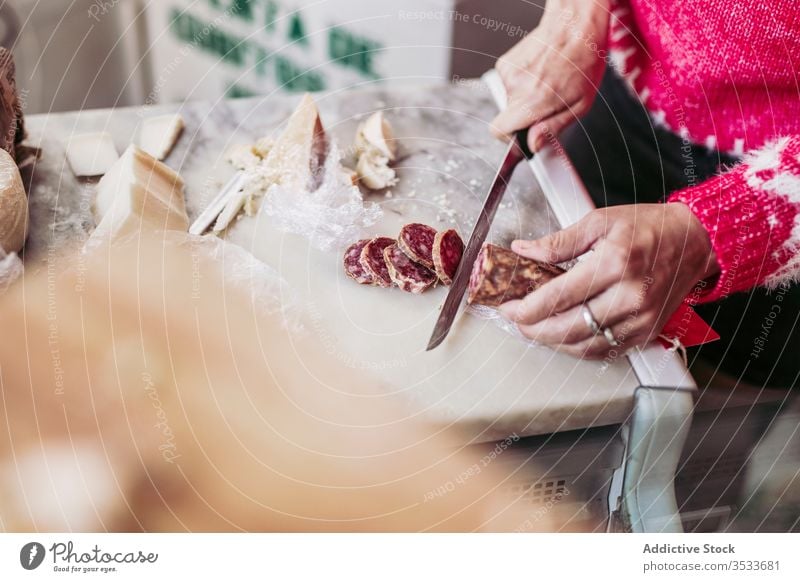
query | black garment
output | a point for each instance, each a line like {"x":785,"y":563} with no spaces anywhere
{"x":623,"y":158}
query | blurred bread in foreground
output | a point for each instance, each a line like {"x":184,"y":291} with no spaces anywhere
{"x":142,"y":392}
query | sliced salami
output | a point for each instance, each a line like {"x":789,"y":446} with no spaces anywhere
{"x":447,"y":251}
{"x":501,"y":275}
{"x":406,"y":274}
{"x":352,"y":264}
{"x":416,"y":241}
{"x":373,"y":262}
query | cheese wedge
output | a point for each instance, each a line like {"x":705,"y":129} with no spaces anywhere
{"x":138,"y":194}
{"x":296,"y":160}
{"x":13,"y":205}
{"x":298,"y":156}
{"x":159,"y":134}
{"x":91,"y":154}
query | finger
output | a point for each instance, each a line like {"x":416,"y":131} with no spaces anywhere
{"x":598,"y":348}
{"x":510,"y":67}
{"x":546,"y":117}
{"x":595,"y":348}
{"x":565,"y":244}
{"x":617,"y":308}
{"x":562,"y":329}
{"x":574,"y":287}
{"x":548,"y":130}
{"x":521,"y":112}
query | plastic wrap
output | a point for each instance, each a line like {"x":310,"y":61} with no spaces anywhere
{"x":269,"y":293}
{"x":493,"y":315}
{"x":332,"y":217}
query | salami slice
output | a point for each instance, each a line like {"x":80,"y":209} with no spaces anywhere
{"x":501,"y":275}
{"x":416,"y":241}
{"x":447,"y":251}
{"x":373,"y":262}
{"x":352,"y":264}
{"x":408,"y":275}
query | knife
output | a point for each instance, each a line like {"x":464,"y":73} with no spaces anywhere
{"x":517,"y":151}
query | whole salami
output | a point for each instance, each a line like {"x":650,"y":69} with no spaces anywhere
{"x":416,"y":241}
{"x":501,"y":275}
{"x":373,"y":262}
{"x":447,"y":251}
{"x":406,"y":274}
{"x":352,"y":264}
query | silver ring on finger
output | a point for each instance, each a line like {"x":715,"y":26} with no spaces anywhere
{"x":590,"y":320}
{"x":609,"y":335}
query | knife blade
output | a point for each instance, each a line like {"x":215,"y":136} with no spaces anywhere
{"x":516,"y":152}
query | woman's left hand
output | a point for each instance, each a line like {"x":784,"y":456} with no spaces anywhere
{"x":646,"y":260}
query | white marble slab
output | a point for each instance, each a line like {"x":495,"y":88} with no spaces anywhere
{"x":482,"y":380}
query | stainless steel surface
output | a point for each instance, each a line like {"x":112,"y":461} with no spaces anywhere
{"x":452,"y":303}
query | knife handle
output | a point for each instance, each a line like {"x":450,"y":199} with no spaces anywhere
{"x":522,"y":142}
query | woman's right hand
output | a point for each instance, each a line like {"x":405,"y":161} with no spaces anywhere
{"x":552,"y":75}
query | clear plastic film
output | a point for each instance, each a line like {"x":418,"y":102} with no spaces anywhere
{"x":331,"y":217}
{"x":493,"y":315}
{"x":269,"y":293}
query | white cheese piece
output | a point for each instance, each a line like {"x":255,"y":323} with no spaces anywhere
{"x":140,"y":193}
{"x":159,"y":134}
{"x":376,"y":148}
{"x":13,"y":205}
{"x":296,"y":161}
{"x":376,"y":134}
{"x":234,"y":205}
{"x":375,"y":173}
{"x":91,"y":154}
{"x":297,"y":158}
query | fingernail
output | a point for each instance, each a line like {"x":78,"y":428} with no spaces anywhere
{"x":521,"y":245}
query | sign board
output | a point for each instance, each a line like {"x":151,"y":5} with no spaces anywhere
{"x":207,"y":49}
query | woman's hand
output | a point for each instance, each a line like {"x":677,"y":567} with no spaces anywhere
{"x":552,"y":75}
{"x":646,"y":260}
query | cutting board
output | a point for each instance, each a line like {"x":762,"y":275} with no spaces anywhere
{"x":482,"y":379}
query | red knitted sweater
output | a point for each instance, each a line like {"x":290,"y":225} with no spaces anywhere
{"x":726,"y":75}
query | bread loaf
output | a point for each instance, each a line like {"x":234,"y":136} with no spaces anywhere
{"x":13,"y":205}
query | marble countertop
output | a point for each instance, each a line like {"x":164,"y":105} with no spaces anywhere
{"x":482,"y":380}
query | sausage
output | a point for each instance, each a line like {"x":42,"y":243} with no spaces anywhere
{"x":373,"y":262}
{"x":405,"y":273}
{"x":416,"y":241}
{"x":501,"y":275}
{"x":448,"y":249}
{"x":352,"y":264}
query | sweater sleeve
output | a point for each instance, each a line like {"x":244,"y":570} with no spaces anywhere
{"x":752,"y":215}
